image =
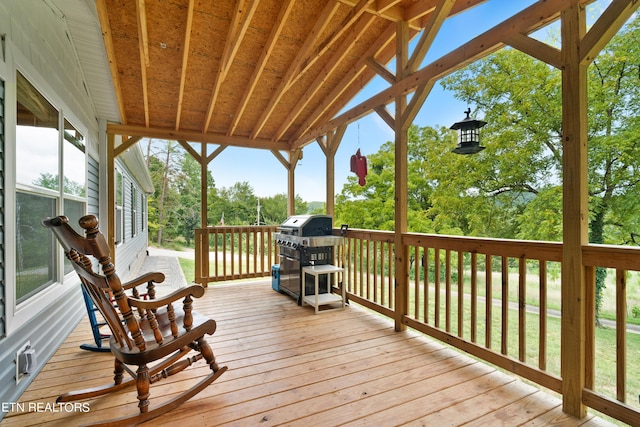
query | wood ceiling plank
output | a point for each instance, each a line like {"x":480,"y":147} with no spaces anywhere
{"x":336,"y":59}
{"x":237,"y":30}
{"x":534,"y":17}
{"x":185,"y":60}
{"x":337,"y":97}
{"x":271,"y":43}
{"x":105,"y":26}
{"x":144,"y":56}
{"x":321,"y":23}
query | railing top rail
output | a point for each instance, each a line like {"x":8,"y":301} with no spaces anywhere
{"x":612,"y":256}
{"x":228,"y":228}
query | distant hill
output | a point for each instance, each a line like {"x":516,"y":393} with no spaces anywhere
{"x":315,"y":207}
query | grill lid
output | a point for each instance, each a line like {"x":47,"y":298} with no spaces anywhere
{"x":308,"y":225}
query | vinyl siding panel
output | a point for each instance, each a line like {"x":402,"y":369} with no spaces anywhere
{"x":131,"y":252}
{"x":3,"y":313}
{"x":45,"y":333}
{"x":93,"y":186}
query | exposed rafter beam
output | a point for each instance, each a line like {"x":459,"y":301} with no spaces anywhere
{"x":436,"y":19}
{"x":125,"y":145}
{"x":277,"y":28}
{"x":237,"y":31}
{"x":357,"y":72}
{"x":103,"y":17}
{"x":185,"y":58}
{"x":190,"y":150}
{"x":331,"y":65}
{"x":208,"y":138}
{"x":216,"y":153}
{"x":609,"y":23}
{"x":539,"y":50}
{"x":143,"y":47}
{"x":381,"y":70}
{"x":534,"y":17}
{"x":321,"y":23}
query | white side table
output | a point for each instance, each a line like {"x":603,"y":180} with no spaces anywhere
{"x":326,"y":297}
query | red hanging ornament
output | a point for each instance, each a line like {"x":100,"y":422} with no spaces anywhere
{"x":359,"y":167}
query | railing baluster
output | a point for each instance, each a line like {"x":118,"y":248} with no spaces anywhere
{"x":416,"y":282}
{"x":542,"y":339}
{"x":522,"y":309}
{"x":621,"y":335}
{"x":436,"y":267}
{"x":375,"y":271}
{"x":447,"y":281}
{"x":488,"y":300}
{"x":460,"y":294}
{"x":474,"y":295}
{"x":505,"y":306}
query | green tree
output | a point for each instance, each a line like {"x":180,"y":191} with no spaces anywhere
{"x":524,"y":149}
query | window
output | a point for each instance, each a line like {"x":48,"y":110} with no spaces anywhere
{"x":39,"y":190}
{"x":134,"y":211}
{"x":119,"y":237}
{"x":74,"y":182}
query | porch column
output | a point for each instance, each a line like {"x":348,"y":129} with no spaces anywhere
{"x":111,"y":195}
{"x":575,"y":210}
{"x":401,"y":182}
{"x":329,"y":146}
{"x":204,"y":222}
{"x":294,"y":156}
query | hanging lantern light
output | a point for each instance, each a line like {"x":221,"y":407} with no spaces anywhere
{"x":468,"y":135}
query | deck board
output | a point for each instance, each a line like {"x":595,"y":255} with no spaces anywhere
{"x":289,"y":366}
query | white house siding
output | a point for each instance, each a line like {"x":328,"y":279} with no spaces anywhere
{"x":37,"y":42}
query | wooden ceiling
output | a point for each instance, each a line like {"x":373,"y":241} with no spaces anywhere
{"x":274,"y":74}
{"x":255,"y":73}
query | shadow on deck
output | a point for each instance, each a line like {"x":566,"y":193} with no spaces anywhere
{"x":289,"y":366}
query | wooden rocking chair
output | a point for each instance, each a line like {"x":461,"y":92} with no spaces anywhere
{"x":143,"y":331}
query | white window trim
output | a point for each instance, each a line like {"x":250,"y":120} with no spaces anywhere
{"x":18,"y":315}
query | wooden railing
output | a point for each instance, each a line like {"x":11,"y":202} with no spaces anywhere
{"x":457,"y":288}
{"x":228,"y":253}
{"x":498,"y":300}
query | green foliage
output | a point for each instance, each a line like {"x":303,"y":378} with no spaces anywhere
{"x":174,"y":207}
{"x":513,"y":189}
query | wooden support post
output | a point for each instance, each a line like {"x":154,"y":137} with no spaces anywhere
{"x":294,"y":156}
{"x":111,"y":195}
{"x":401,"y":183}
{"x":203,"y":185}
{"x":575,"y":210}
{"x":329,"y":147}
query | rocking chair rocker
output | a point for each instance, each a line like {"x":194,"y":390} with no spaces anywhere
{"x":142,"y":331}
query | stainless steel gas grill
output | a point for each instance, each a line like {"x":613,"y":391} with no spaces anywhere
{"x":305,"y":240}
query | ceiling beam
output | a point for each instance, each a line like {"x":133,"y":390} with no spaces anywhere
{"x":237,"y":30}
{"x":609,"y":23}
{"x":143,"y":47}
{"x":334,"y":62}
{"x":321,"y":23}
{"x":270,"y":44}
{"x":208,"y":138}
{"x":105,"y":26}
{"x":436,"y":19}
{"x":185,"y":59}
{"x":539,"y":50}
{"x":534,"y":17}
{"x":350,"y":80}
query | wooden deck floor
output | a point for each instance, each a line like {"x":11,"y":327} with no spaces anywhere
{"x":289,"y":366}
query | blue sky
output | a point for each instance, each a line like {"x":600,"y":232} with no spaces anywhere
{"x":267,"y":176}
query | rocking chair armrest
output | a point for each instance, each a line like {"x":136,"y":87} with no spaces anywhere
{"x":156,"y":277}
{"x":193,"y":290}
